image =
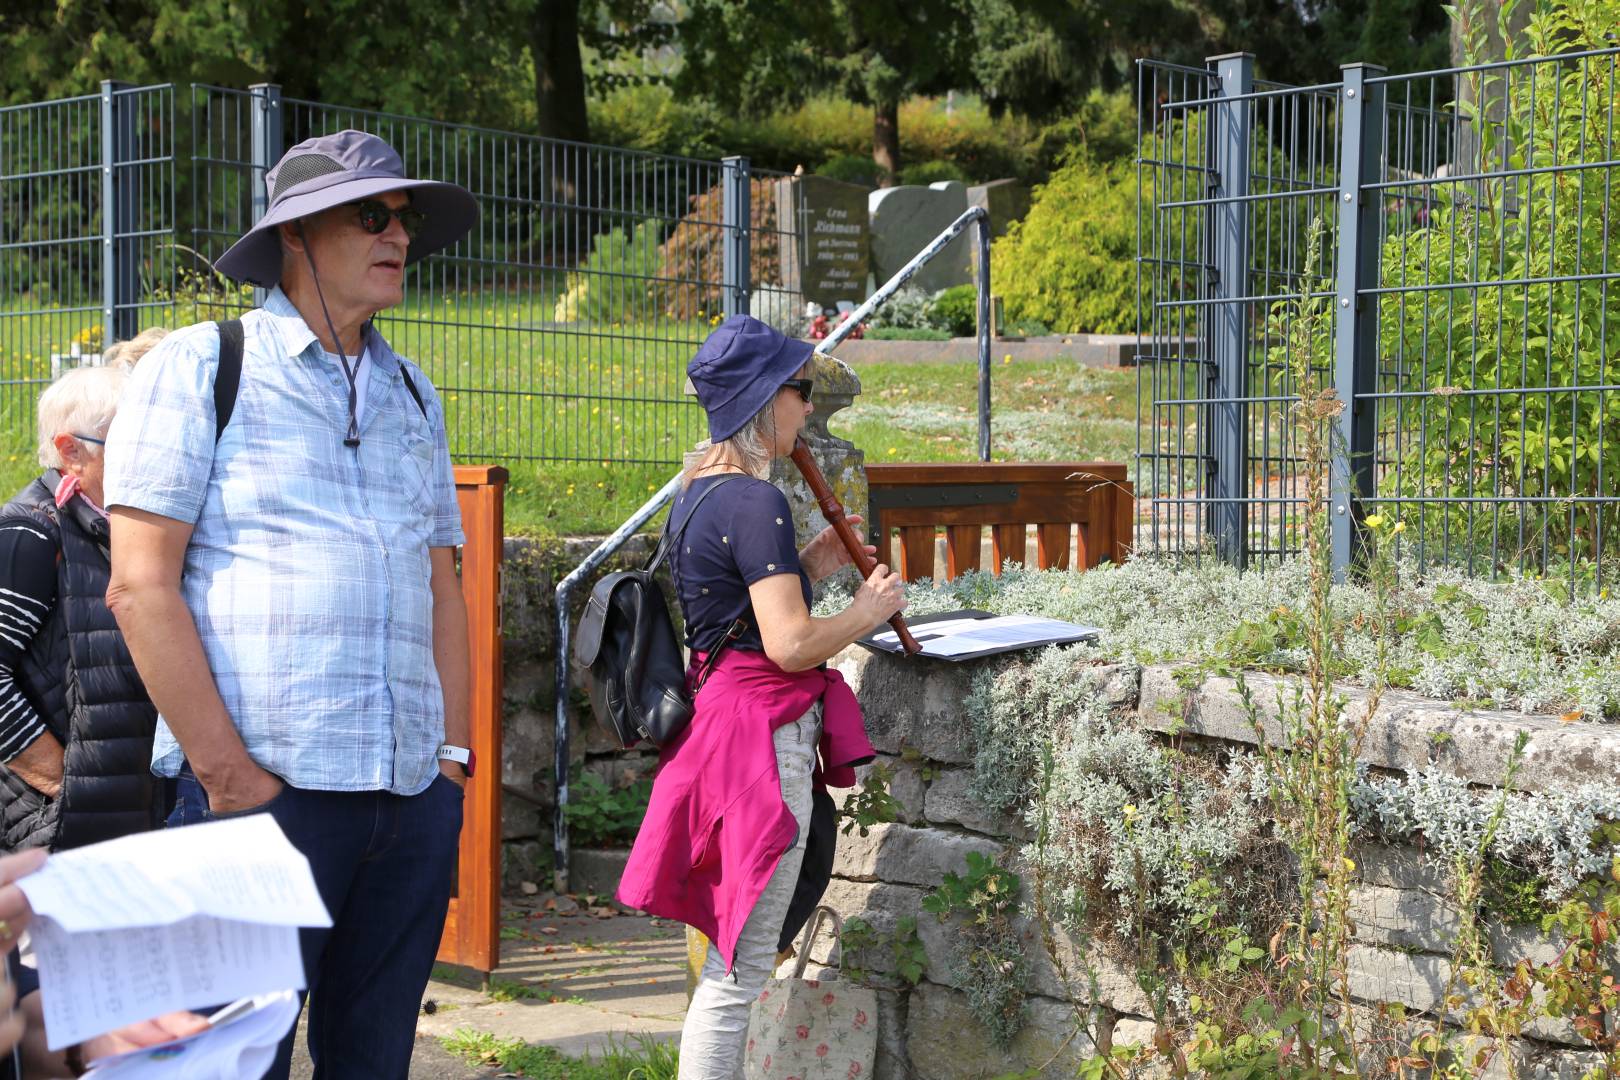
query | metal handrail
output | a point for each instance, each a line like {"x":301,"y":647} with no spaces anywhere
{"x":666,"y":494}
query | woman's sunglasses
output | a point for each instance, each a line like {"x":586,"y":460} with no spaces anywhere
{"x":801,"y":385}
{"x":374,"y":217}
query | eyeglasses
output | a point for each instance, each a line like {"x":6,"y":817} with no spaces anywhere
{"x":374,"y":217}
{"x":87,"y":438}
{"x":801,"y":385}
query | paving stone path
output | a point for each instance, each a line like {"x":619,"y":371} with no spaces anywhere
{"x":568,"y":979}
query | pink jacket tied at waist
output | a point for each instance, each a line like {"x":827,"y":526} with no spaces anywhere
{"x":716,"y":824}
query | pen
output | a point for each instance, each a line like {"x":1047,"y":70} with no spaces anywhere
{"x":240,"y":1007}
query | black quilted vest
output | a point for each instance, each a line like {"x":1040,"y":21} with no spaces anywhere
{"x":79,"y":676}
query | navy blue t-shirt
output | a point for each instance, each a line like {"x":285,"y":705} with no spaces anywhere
{"x":741,"y":533}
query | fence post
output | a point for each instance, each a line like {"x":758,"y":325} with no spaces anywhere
{"x":735,"y":218}
{"x":265,"y":150}
{"x":1227,"y":438}
{"x":1355,"y":330}
{"x":120,"y":251}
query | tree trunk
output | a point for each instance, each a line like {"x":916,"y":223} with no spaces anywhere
{"x":559,"y":98}
{"x":559,"y":74}
{"x":886,"y":141}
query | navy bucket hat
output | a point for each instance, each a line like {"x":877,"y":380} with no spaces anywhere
{"x":331,"y":170}
{"x":738,"y":370}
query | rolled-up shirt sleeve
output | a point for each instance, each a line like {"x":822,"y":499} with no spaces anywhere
{"x":27,"y":593}
{"x":160,"y":448}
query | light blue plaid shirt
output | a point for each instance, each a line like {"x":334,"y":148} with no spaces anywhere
{"x":308,"y":572}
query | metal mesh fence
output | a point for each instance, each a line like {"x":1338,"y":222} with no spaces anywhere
{"x":1445,"y":237}
{"x":558,"y":329}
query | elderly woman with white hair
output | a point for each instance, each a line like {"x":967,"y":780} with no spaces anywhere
{"x":75,"y":722}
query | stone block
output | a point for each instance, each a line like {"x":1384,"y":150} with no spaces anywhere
{"x":595,"y":870}
{"x":525,"y":860}
{"x":1006,"y":201}
{"x":947,"y":1041}
{"x":950,"y":803}
{"x":906,"y":855}
{"x":913,"y":705}
{"x":905,"y":219}
{"x":1404,"y":918}
{"x":1421,"y":982}
{"x":907,"y":787}
{"x":1133,"y":1031}
{"x":1418,"y":982}
{"x":1407,"y":734}
{"x":881,"y":907}
{"x":1089,"y":975}
{"x":1398,"y":867}
{"x":1510,"y":944}
{"x":893,"y":1062}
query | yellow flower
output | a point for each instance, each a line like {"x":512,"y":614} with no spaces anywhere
{"x":893,"y":450}
{"x":1400,"y":526}
{"x":1130,"y":811}
{"x":1007,"y":359}
{"x":1349,"y":866}
{"x":1374,"y":520}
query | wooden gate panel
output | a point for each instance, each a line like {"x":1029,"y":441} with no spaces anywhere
{"x":472,"y":928}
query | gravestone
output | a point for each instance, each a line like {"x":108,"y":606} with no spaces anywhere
{"x":1006,"y":201}
{"x":828,"y":257}
{"x":906,"y":218}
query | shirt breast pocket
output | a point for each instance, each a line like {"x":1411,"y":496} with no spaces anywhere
{"x":416,"y":471}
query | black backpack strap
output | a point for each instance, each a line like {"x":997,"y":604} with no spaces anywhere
{"x":672,"y":532}
{"x":736,"y":630}
{"x":410,"y":388}
{"x":228,"y":377}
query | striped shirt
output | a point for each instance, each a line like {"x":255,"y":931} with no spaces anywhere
{"x":27,"y":592}
{"x":307,"y":573}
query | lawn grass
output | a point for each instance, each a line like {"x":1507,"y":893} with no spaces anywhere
{"x":646,"y":1060}
{"x":611,"y":396}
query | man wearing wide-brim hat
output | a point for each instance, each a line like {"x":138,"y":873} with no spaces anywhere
{"x":283,"y":570}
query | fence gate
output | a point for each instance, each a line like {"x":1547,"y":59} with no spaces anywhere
{"x":1437,"y":248}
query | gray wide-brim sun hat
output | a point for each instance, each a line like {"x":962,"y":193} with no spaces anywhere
{"x":331,"y":170}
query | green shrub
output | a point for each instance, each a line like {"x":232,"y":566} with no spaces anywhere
{"x":603,"y":816}
{"x":910,"y":308}
{"x":612,"y":285}
{"x":907,"y":333}
{"x":1072,"y":262}
{"x":1550,"y":230}
{"x":957,"y":310}
{"x":1104,"y":127}
{"x":850,"y":168}
{"x":979,"y":146}
{"x":649,"y":118}
{"x":924,"y":173}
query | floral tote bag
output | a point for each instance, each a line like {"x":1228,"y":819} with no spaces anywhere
{"x":812,"y":1029}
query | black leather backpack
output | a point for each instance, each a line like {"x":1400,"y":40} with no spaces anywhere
{"x":636,"y":675}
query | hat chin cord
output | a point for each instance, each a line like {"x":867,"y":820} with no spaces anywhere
{"x":349,"y":375}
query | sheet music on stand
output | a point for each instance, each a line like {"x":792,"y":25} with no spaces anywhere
{"x":970,"y":634}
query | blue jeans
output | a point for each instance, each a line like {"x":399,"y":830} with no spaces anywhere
{"x":384,"y":865}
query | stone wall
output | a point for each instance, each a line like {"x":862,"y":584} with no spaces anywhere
{"x":529,"y":577}
{"x":1404,"y":916}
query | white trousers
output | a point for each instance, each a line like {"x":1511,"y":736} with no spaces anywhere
{"x":717,"y":1020}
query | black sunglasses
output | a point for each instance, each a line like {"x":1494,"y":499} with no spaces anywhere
{"x":801,"y":385}
{"x":374,"y":217}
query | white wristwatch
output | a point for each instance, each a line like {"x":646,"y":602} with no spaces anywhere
{"x":462,"y":755}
